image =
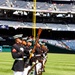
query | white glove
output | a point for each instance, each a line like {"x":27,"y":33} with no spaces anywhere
{"x":22,"y":49}
{"x":31,"y":54}
{"x":43,"y":55}
{"x":30,"y":50}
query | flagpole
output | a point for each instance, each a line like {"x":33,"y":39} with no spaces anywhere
{"x":34,"y":19}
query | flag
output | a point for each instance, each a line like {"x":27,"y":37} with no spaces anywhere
{"x":4,"y":27}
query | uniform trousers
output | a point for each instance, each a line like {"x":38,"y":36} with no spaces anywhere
{"x":38,"y":67}
{"x":18,"y":73}
{"x":26,"y":70}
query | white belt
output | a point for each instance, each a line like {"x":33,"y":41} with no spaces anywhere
{"x":24,"y":56}
{"x":38,"y":55}
{"x":19,"y":59}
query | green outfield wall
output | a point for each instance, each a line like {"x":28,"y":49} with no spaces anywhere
{"x":5,"y":48}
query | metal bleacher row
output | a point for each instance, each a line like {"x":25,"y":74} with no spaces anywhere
{"x":39,"y":5}
{"x":59,"y":27}
{"x":69,"y":43}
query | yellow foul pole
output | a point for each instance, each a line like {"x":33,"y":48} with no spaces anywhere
{"x":34,"y":19}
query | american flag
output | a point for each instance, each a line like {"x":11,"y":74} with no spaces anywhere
{"x":4,"y":27}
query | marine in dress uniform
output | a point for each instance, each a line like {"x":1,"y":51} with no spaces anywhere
{"x":44,"y":55}
{"x":38,"y":58}
{"x":17,"y":53}
{"x":27,"y":64}
{"x":45,"y":51}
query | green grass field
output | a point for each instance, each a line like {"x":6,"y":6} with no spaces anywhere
{"x":57,"y":64}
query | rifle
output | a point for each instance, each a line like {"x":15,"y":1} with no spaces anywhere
{"x":36,"y":41}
